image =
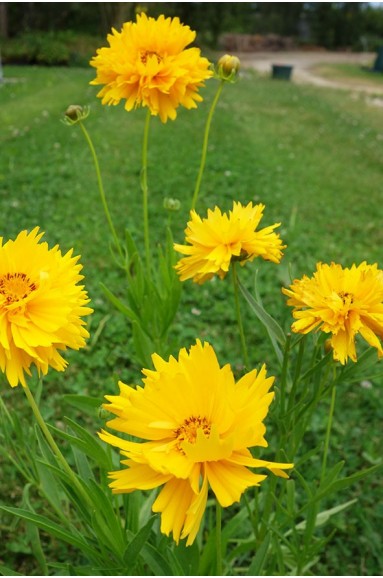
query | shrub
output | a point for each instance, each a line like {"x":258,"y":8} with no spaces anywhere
{"x":50,"y":49}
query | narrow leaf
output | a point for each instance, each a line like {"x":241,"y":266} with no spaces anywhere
{"x":51,"y":528}
{"x":155,"y":561}
{"x":136,"y":545}
{"x":84,"y":403}
{"x":127,"y":311}
{"x":259,"y":560}
{"x":273,"y":328}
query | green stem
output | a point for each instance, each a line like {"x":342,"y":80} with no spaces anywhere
{"x":218,"y":538}
{"x":54,"y":447}
{"x":253,"y":517}
{"x":284,"y":374}
{"x":101,"y":189}
{"x":269,"y":500}
{"x":328,"y":432}
{"x":144,"y":188}
{"x":205,"y":143}
{"x":238,"y":313}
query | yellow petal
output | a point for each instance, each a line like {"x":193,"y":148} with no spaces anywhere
{"x":173,"y":502}
{"x":228,"y":481}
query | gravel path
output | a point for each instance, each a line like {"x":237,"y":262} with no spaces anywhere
{"x":303,"y":63}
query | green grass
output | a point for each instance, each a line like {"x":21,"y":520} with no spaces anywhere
{"x":312,"y":156}
{"x":350,"y":73}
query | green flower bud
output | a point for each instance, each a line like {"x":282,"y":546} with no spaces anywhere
{"x":228,"y":68}
{"x":74,"y":113}
{"x":172,"y":204}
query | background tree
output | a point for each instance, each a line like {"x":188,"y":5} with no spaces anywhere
{"x":332,"y":25}
{"x":3,"y":20}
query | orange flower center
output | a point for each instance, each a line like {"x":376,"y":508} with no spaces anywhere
{"x":188,"y":430}
{"x":16,"y":286}
{"x":145,"y":54}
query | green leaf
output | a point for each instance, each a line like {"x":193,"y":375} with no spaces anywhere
{"x":259,"y":560}
{"x":323,"y":517}
{"x":127,"y":311}
{"x":131,"y":246}
{"x":33,"y":535}
{"x":46,"y":451}
{"x":84,"y":403}
{"x":85,"y":442}
{"x":103,"y":501}
{"x":135,"y":546}
{"x":290,"y":496}
{"x":106,"y":541}
{"x":143,"y":345}
{"x":82,"y":464}
{"x":359,"y":370}
{"x":332,"y":474}
{"x":177,"y":569}
{"x":155,"y":560}
{"x":49,"y":484}
{"x":73,"y":537}
{"x":187,"y":558}
{"x":345,"y":482}
{"x":273,"y":328}
{"x":75,"y":497}
{"x":323,"y":361}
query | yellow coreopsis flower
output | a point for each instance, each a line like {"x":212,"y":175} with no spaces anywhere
{"x":343,"y":302}
{"x":196,"y":424}
{"x":148,"y":64}
{"x":41,"y":305}
{"x":215,"y":241}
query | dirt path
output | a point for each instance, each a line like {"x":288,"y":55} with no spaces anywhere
{"x":303,"y":63}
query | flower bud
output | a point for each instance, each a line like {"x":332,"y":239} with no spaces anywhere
{"x":172,"y":204}
{"x":228,"y":68}
{"x":75,"y":113}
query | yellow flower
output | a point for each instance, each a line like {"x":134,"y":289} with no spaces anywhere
{"x":147,"y":64}
{"x":342,"y":302}
{"x":196,"y":424}
{"x":41,"y":305}
{"x":215,"y":241}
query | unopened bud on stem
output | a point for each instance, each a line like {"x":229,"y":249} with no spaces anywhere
{"x":74,"y":113}
{"x":172,"y":204}
{"x":228,"y":68}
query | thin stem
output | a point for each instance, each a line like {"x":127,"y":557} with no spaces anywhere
{"x":284,"y":375}
{"x":205,"y":143}
{"x":252,"y":516}
{"x":269,"y":500}
{"x":54,"y":447}
{"x":144,"y":188}
{"x":238,"y":313}
{"x":328,"y":432}
{"x":101,"y":189}
{"x":218,"y":538}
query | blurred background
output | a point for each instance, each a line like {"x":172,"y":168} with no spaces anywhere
{"x":68,"y":33}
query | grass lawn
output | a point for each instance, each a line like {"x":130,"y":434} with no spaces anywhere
{"x":313,"y":156}
{"x":350,"y":73}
